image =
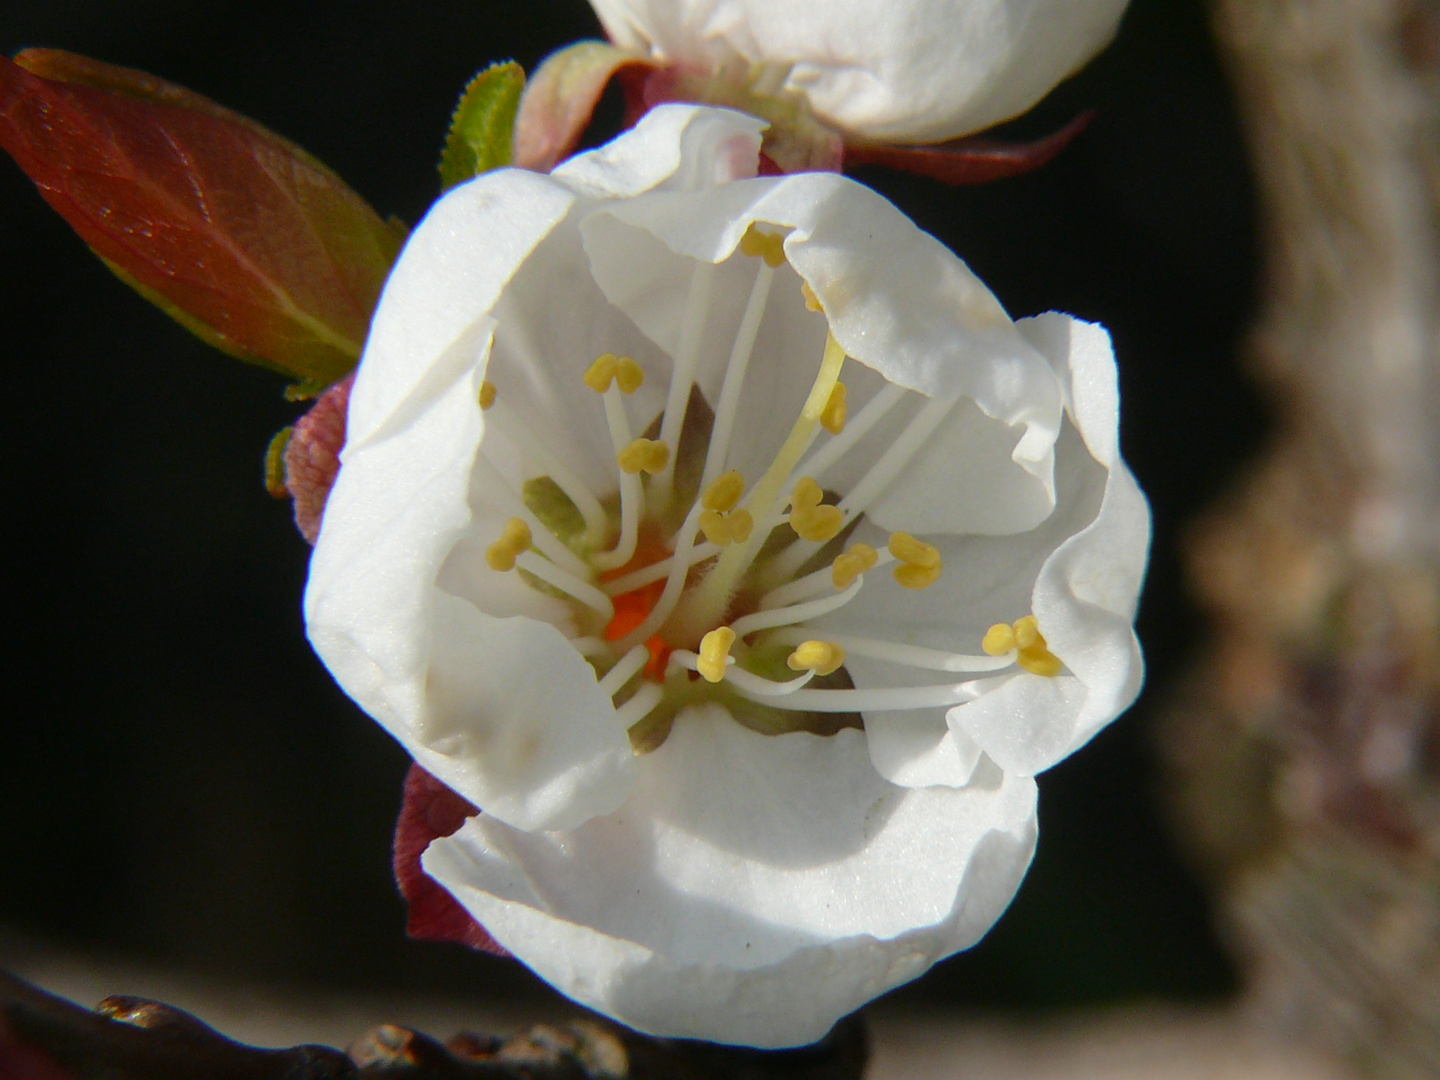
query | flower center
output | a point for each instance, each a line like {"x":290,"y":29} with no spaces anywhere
{"x":686,"y":591}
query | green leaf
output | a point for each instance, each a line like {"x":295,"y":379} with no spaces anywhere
{"x":482,"y":131}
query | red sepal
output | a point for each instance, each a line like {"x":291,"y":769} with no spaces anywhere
{"x":432,"y":810}
{"x":312,"y":456}
{"x":971,"y":160}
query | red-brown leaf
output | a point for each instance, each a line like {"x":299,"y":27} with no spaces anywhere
{"x":238,"y":233}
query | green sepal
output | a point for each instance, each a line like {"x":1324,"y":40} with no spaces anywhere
{"x":482,"y":131}
{"x":275,"y":463}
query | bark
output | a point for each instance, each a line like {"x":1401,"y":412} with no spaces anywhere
{"x":1306,"y":748}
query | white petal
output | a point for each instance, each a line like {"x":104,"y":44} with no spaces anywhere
{"x":447,"y":279}
{"x":672,"y":148}
{"x":1086,"y":591}
{"x":753,"y":889}
{"x":896,"y":298}
{"x":900,"y":70}
{"x":913,"y":747}
{"x":965,"y":480}
{"x":456,"y":686}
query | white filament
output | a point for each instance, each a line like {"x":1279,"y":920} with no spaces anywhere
{"x":692,"y":328}
{"x":795,"y":613}
{"x":624,"y":670}
{"x":640,"y":705}
{"x":906,"y":655}
{"x":734,"y":382}
{"x":567,"y":583}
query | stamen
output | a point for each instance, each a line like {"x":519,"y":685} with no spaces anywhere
{"x":824,"y":579}
{"x":1025,"y":639}
{"x":886,"y":700}
{"x":1027,"y":632}
{"x":847,"y":567}
{"x":715,"y":654}
{"x":921,"y":561}
{"x":487,"y":395}
{"x":567,"y":583}
{"x":794,"y":613}
{"x":812,"y":302}
{"x":502,"y":554}
{"x":821,"y":657}
{"x":873,"y":484}
{"x":498,"y":485}
{"x":729,"y":401}
{"x":518,"y":428}
{"x":601,"y":373}
{"x":808,"y":518}
{"x":624,"y":670}
{"x":640,"y":705}
{"x":856,"y":428}
{"x":609,"y":375}
{"x":644,"y":455}
{"x":724,"y":493}
{"x":769,"y":246}
{"x":657,"y":570}
{"x":833,"y":418}
{"x":754,"y":687}
{"x":892,"y":652}
{"x":590,"y":646}
{"x":726,"y":529}
{"x":675,"y":583}
{"x":999,"y":640}
{"x":697,"y":306}
{"x":629,"y":375}
{"x":708,"y":599}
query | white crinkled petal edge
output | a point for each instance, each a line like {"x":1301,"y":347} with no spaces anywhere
{"x":754,"y":889}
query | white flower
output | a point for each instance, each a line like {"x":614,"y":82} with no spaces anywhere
{"x":577,"y":561}
{"x":893,"y":70}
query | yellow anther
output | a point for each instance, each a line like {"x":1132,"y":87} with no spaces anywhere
{"x":726,"y":529}
{"x":502,"y":554}
{"x":817,"y":524}
{"x":920,"y":563}
{"x":808,"y":518}
{"x":487,"y":394}
{"x":769,"y":246}
{"x":1032,"y":654}
{"x":846,"y":568}
{"x":812,"y":302}
{"x":999,"y":639}
{"x":807,"y":494}
{"x":715,"y":653}
{"x":724,"y":493}
{"x":1040,"y":662}
{"x":602,"y":372}
{"x":629,"y":375}
{"x":833,"y":418}
{"x":915,"y":552}
{"x":821,"y":657}
{"x":1027,"y":633}
{"x":644,"y":455}
{"x":716,"y":527}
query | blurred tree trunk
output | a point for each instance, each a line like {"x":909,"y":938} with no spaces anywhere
{"x":1306,"y":747}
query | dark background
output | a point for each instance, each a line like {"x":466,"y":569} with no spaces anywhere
{"x":181,"y":783}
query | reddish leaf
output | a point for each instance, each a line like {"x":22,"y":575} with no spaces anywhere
{"x":237,"y":233}
{"x":971,"y":160}
{"x":432,"y":810}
